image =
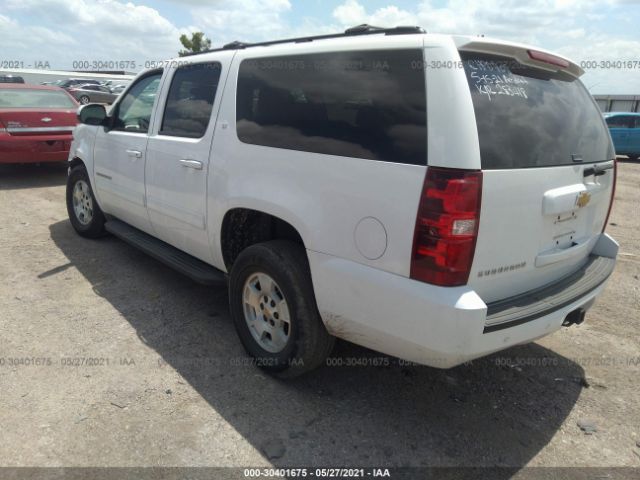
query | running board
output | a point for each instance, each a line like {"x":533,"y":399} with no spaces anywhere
{"x":184,"y":263}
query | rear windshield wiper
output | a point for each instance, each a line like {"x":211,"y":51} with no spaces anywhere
{"x":598,"y":170}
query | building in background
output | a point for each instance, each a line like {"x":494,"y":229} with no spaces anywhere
{"x":618,"y":103}
{"x":36,"y":77}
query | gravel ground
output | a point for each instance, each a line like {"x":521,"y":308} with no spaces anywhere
{"x":109,"y":358}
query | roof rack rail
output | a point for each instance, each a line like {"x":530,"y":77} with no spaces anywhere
{"x":235,"y":45}
{"x":363,"y":29}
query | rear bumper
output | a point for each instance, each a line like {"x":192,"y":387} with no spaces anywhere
{"x":544,"y":301}
{"x":34,"y":149}
{"x":443,"y":327}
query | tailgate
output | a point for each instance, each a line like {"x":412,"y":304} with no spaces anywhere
{"x":548,"y":173}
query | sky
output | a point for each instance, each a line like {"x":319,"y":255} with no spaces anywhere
{"x":62,"y":33}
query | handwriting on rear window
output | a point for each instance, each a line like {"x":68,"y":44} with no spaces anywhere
{"x":495,"y":78}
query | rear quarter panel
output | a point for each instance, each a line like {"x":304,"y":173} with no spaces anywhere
{"x":323,"y":196}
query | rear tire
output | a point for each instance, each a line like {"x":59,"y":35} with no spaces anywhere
{"x":274,"y":309}
{"x":84,"y":100}
{"x":84,"y":212}
{"x":633,"y":157}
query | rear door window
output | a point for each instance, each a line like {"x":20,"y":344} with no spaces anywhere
{"x":190,"y":100}
{"x":362,"y":104}
{"x":528,"y":117}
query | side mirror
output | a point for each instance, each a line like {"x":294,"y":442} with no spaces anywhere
{"x":92,"y":114}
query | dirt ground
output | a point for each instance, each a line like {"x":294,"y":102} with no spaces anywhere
{"x":109,"y":358}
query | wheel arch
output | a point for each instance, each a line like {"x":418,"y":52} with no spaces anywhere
{"x":242,"y":227}
{"x":75,"y":161}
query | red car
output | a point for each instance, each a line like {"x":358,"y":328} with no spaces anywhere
{"x":36,"y":123}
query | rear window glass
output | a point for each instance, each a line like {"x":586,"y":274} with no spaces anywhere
{"x":26,"y":98}
{"x":620,"y":121}
{"x":362,"y":104}
{"x":11,"y":79}
{"x":528,"y":117}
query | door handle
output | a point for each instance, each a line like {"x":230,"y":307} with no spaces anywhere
{"x":134,"y":153}
{"x":195,"y":164}
{"x":558,"y":255}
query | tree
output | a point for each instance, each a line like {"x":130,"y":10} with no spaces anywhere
{"x":197,"y":43}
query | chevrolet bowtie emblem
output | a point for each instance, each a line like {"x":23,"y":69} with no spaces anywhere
{"x":583,"y":199}
{"x":46,"y":119}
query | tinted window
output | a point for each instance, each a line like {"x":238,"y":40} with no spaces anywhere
{"x":27,"y":98}
{"x":11,"y":79}
{"x":620,"y":121}
{"x":134,"y":111}
{"x":528,"y":117}
{"x":368,"y":104}
{"x":190,"y":100}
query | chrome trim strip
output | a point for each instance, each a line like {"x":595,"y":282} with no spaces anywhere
{"x":40,"y":129}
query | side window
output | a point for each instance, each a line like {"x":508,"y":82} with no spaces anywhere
{"x":363,"y":104}
{"x":190,"y":100}
{"x":134,"y":111}
{"x":619,"y":121}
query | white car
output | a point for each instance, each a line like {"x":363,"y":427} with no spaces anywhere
{"x":436,"y":198}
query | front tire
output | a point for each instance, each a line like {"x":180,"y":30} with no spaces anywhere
{"x":84,"y":212}
{"x":633,"y":157}
{"x":274,"y":309}
{"x":84,"y":100}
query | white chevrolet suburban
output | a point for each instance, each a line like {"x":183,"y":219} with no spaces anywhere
{"x":436,"y":198}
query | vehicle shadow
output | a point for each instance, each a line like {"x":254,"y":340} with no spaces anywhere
{"x":498,"y":411}
{"x":30,"y":175}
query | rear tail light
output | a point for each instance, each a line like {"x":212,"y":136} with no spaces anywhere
{"x":2,"y":127}
{"x":446,"y":226}
{"x":613,"y":193}
{"x":548,"y":58}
